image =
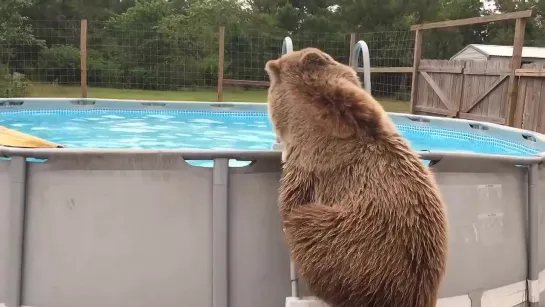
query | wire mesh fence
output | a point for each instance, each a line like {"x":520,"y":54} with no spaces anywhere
{"x":47,"y":53}
{"x":392,"y":49}
{"x":147,"y":58}
{"x":144,"y":62}
{"x":247,"y":52}
{"x":246,"y":55}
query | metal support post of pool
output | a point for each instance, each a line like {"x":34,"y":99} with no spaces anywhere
{"x":533,"y":235}
{"x":16,"y":231}
{"x":220,"y":233}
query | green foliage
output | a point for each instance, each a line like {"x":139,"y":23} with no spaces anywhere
{"x":61,"y":64}
{"x":173,"y":44}
{"x":13,"y":30}
{"x":503,"y":33}
{"x":12,"y":85}
{"x":444,"y":43}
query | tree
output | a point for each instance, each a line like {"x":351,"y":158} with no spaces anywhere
{"x":297,"y":15}
{"x":444,"y":43}
{"x":13,"y":33}
{"x":502,"y":33}
{"x":13,"y":29}
{"x":171,"y":44}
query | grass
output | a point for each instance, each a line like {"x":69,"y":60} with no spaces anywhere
{"x":230,"y":94}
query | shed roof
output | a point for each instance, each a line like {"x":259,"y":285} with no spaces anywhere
{"x":505,"y":51}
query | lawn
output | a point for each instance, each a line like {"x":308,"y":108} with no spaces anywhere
{"x":230,"y":94}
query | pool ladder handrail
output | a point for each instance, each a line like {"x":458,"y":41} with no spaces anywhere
{"x":287,"y":47}
{"x":360,"y":47}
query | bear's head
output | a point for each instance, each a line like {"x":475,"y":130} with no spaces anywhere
{"x":309,"y":90}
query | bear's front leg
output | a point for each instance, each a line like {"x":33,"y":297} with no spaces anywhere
{"x":295,"y":189}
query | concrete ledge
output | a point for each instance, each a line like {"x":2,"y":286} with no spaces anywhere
{"x":304,"y":302}
{"x":512,"y":295}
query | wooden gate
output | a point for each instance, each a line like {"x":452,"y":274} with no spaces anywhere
{"x":485,"y":91}
{"x":530,"y":110}
{"x":438,"y":87}
{"x":464,"y":89}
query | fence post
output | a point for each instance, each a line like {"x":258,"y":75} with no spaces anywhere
{"x":83,"y":57}
{"x":416,"y":64}
{"x":352,"y":44}
{"x":221,"y":62}
{"x":516,"y":61}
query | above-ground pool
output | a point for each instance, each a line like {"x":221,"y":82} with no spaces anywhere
{"x":152,"y":127}
{"x":126,"y":215}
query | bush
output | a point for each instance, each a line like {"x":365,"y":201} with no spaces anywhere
{"x":102,"y":71}
{"x":12,"y":85}
{"x":61,"y":64}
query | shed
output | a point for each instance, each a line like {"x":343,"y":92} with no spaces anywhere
{"x":479,"y":52}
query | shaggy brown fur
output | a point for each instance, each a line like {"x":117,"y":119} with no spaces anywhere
{"x":362,"y":215}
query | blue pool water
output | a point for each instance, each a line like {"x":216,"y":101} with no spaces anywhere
{"x":208,"y":130}
{"x":144,"y":129}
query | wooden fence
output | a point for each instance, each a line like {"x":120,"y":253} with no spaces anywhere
{"x":478,"y":105}
{"x":470,"y":90}
{"x":530,"y":111}
{"x":480,"y":91}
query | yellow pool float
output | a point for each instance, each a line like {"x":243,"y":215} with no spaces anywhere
{"x":14,"y":138}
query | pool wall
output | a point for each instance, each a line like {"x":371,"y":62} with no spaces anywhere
{"x":116,"y":228}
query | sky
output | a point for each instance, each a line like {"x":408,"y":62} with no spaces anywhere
{"x":489,"y":4}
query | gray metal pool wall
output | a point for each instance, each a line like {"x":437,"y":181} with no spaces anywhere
{"x":115,"y":228}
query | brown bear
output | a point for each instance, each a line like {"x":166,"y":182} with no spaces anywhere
{"x":363,"y":217}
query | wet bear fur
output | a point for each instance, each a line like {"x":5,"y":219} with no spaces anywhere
{"x":363,"y":218}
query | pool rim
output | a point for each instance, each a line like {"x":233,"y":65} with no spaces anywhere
{"x":36,"y":103}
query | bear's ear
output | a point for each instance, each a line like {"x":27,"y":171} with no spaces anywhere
{"x":273,"y":69}
{"x":314,"y":58}
{"x":346,"y":111}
